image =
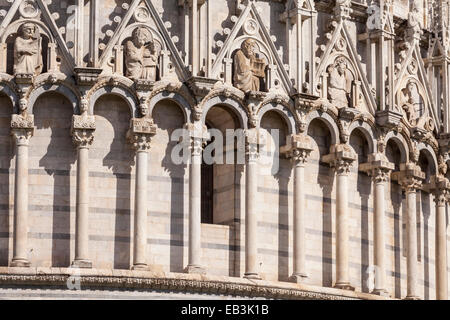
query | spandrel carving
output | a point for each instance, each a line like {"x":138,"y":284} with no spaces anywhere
{"x":412,"y":102}
{"x":248,"y":67}
{"x":27,"y":50}
{"x":141,"y":56}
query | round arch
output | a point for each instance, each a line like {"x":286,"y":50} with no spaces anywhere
{"x":428,"y":151}
{"x":174,"y":97}
{"x":117,"y":91}
{"x":12,"y":95}
{"x":63,"y":89}
{"x":328,"y":121}
{"x":232,"y":104}
{"x":368,"y":133}
{"x":401,"y":143}
{"x":283,"y":111}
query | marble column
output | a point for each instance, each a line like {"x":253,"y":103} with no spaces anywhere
{"x":379,"y":168}
{"x":440,"y":186}
{"x":82,"y":138}
{"x":251,"y":197}
{"x":22,"y":129}
{"x":410,"y":177}
{"x":298,"y":149}
{"x":341,"y":158}
{"x":140,"y":135}
{"x":441,"y":198}
{"x":198,"y":137}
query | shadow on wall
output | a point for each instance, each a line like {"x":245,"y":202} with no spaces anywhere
{"x":54,"y":112}
{"x":325,"y":179}
{"x":6,"y":179}
{"x":364,"y":187}
{"x":119,"y":159}
{"x":169,"y":117}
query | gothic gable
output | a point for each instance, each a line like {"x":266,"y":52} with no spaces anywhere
{"x":250,"y":25}
{"x":340,"y":50}
{"x":34,"y":12}
{"x":143,"y":14}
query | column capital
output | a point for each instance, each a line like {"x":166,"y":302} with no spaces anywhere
{"x":378,"y":167}
{"x":22,"y":128}
{"x":253,"y":142}
{"x":198,"y":135}
{"x":410,"y":176}
{"x":341,"y":158}
{"x":440,"y":186}
{"x":82,"y":130}
{"x":140,"y":133}
{"x":298,"y":148}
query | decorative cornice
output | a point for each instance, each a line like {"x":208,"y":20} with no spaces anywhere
{"x":181,"y":283}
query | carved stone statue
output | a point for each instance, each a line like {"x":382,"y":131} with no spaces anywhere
{"x":411,"y":102}
{"x":141,"y":58}
{"x":27,"y":50}
{"x":339,"y":84}
{"x":248,"y":68}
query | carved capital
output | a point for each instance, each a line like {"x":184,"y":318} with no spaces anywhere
{"x":410,"y":177}
{"x":140,"y":133}
{"x":141,"y":142}
{"x":22,"y":136}
{"x":22,"y":121}
{"x":83,"y":122}
{"x":378,"y":167}
{"x":298,"y":148}
{"x":83,"y":138}
{"x":340,"y":158}
{"x":441,"y":197}
{"x":251,"y":152}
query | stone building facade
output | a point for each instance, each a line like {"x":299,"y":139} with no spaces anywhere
{"x":93,"y":91}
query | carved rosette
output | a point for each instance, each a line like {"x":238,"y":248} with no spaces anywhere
{"x":140,"y":133}
{"x":22,"y":128}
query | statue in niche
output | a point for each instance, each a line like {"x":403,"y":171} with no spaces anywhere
{"x":339,"y":83}
{"x":27,"y":50}
{"x":141,"y":57}
{"x":248,"y":68}
{"x":412,"y":101}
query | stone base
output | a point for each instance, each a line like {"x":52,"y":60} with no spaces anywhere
{"x":412,"y":298}
{"x":85,"y":264}
{"x":140,"y":267}
{"x":381,"y":292}
{"x":195,"y":270}
{"x":252,"y":276}
{"x":298,"y":277}
{"x":344,"y":286}
{"x":20,"y":263}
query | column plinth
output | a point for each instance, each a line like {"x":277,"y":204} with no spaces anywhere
{"x":83,"y":128}
{"x":22,"y":129}
{"x":341,"y":158}
{"x":139,"y":135}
